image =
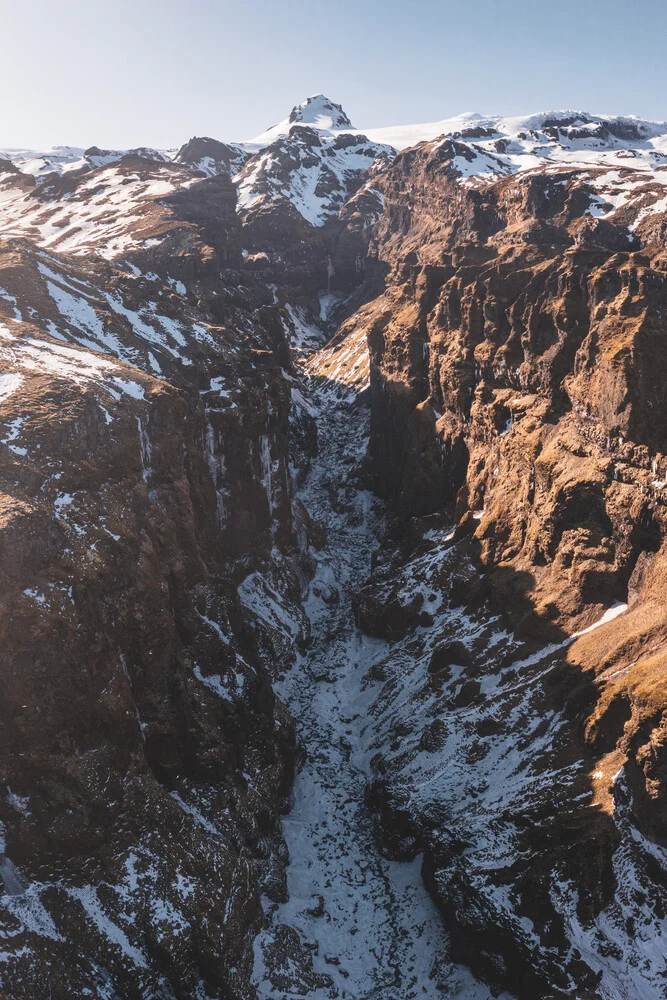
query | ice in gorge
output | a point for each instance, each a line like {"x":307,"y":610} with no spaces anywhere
{"x":356,"y":925}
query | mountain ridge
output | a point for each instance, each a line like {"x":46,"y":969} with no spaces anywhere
{"x":323,"y":114}
{"x":314,"y":159}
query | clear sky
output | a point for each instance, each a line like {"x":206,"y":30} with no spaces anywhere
{"x":121,"y":73}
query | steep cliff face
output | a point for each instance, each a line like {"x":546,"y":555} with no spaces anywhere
{"x":144,"y":461}
{"x":516,"y":429}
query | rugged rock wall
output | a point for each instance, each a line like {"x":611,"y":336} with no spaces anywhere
{"x":517,"y":414}
{"x":144,"y":758}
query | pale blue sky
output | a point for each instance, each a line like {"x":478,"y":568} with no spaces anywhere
{"x":122,"y":73}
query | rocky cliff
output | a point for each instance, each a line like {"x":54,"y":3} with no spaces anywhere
{"x":515,"y":403}
{"x":144,"y":459}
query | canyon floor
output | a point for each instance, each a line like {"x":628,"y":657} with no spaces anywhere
{"x":356,"y":924}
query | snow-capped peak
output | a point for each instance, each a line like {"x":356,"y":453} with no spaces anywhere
{"x":321,"y":113}
{"x":318,"y":112}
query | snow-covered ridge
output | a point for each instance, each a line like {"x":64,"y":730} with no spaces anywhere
{"x":69,"y":159}
{"x":315,"y":157}
{"x":571,"y":126}
{"x":315,"y":171}
{"x":538,"y":134}
{"x":106,"y":212}
{"x":622,"y":161}
{"x":496,"y":146}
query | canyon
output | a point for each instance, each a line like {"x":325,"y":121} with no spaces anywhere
{"x":333,"y":529}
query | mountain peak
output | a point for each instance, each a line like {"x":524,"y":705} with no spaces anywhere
{"x":321,"y":112}
{"x":318,"y":112}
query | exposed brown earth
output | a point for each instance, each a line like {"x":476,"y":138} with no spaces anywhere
{"x":516,"y":391}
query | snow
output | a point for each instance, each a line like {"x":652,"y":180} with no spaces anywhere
{"x":315,"y":177}
{"x":4,"y":294}
{"x":104,"y":214}
{"x":9,"y":384}
{"x":58,"y":159}
{"x":177,"y":285}
{"x":343,"y":366}
{"x":361,"y":917}
{"x":583,"y":139}
{"x":18,"y":802}
{"x":196,"y":815}
{"x":85,"y":369}
{"x":317,"y":112}
{"x":150,"y":326}
{"x":256,"y":593}
{"x":27,"y":907}
{"x":328,"y":302}
{"x":402,"y":136}
{"x":214,"y":683}
{"x":379,"y":930}
{"x":547,"y":652}
{"x":129,"y":387}
{"x":366,"y":923}
{"x":486,"y":147}
{"x":609,"y":615}
{"x":105,"y":211}
{"x":485,"y":787}
{"x":61,"y":501}
{"x":115,"y":935}
{"x":302,"y":333}
{"x":75,"y":307}
{"x":68,"y":159}
{"x":634,"y":923}
{"x":14,"y":431}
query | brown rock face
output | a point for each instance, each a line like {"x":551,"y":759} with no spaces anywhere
{"x":306,"y":201}
{"x":109,"y":679}
{"x":517,"y":399}
{"x":514,"y":372}
{"x":144,"y":757}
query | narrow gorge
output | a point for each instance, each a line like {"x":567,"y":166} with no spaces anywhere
{"x":348,"y":921}
{"x":332,"y":524}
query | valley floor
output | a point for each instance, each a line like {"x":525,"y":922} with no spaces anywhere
{"x":356,"y":924}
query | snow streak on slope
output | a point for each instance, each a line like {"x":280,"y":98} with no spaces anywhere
{"x":343,"y":364}
{"x":107,"y":212}
{"x":356,"y":925}
{"x":33,"y":355}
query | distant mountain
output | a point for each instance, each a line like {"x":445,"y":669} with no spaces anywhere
{"x":315,"y":158}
